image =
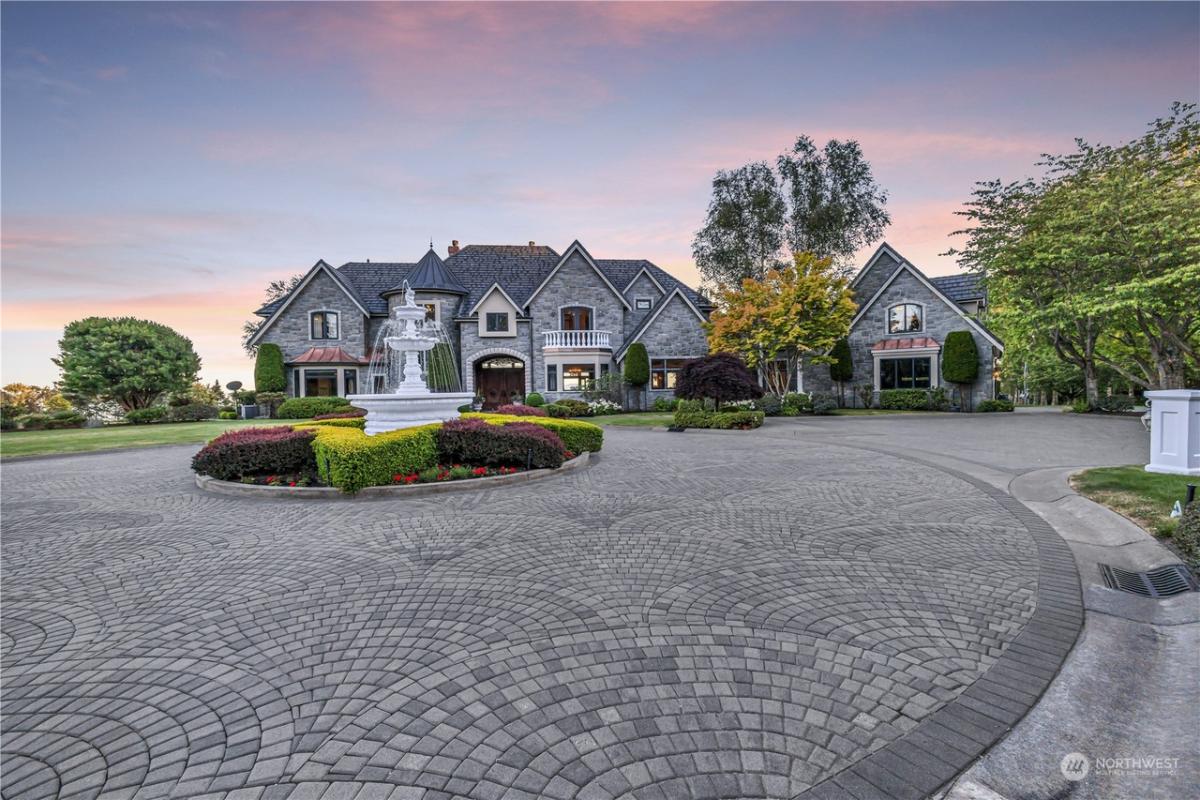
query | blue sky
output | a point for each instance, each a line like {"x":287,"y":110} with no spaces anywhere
{"x":168,"y":160}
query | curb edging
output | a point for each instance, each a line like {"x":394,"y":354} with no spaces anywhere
{"x":235,"y":489}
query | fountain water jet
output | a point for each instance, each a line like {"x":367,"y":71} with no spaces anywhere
{"x":406,"y":399}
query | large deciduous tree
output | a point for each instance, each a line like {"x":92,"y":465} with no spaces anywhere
{"x":1100,"y":258}
{"x":131,"y":362}
{"x":835,"y":208}
{"x":822,"y":201}
{"x":794,"y":312}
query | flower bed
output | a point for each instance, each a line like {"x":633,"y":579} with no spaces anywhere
{"x":338,"y":453}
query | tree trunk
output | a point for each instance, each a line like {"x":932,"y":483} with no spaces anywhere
{"x":1091,"y":383}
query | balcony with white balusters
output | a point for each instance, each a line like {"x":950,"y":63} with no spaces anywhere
{"x":577,"y":340}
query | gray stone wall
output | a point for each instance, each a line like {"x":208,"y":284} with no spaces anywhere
{"x":675,"y":333}
{"x":575,"y":283}
{"x":940,"y":320}
{"x":881,"y":270}
{"x":473,"y":347}
{"x":641,"y":287}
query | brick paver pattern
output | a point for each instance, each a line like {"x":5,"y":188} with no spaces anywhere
{"x":694,"y":616}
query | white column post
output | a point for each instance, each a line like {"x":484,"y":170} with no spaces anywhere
{"x":1174,"y":431}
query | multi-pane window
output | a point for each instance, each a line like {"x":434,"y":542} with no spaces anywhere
{"x":576,"y":318}
{"x":552,"y":377}
{"x":320,"y":383}
{"x":497,"y":322}
{"x":577,"y":376}
{"x":905,"y":373}
{"x":324,"y":324}
{"x":350,"y":381}
{"x":664,"y":371}
{"x":905,"y":317}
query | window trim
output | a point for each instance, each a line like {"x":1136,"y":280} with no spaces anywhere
{"x":591,"y":316}
{"x":665,"y":372}
{"x":590,"y":365}
{"x":887,"y":317}
{"x":552,"y":383}
{"x":637,"y":301}
{"x":487,"y":322}
{"x":932,"y":353}
{"x":324,"y":323}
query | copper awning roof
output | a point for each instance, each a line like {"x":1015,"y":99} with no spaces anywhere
{"x":914,"y":343}
{"x":327,"y":355}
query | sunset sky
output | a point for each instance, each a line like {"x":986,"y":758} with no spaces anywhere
{"x":168,"y":160}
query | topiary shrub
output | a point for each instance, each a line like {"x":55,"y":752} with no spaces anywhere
{"x":256,"y":451}
{"x":558,"y":411}
{"x":960,"y":362}
{"x":146,"y":416}
{"x":227,"y":415}
{"x":535,"y":400}
{"x":519,"y":410}
{"x":305,"y":407}
{"x":337,"y":422}
{"x":721,"y":420}
{"x":721,"y":377}
{"x":665,"y":403}
{"x":269,"y":375}
{"x":350,"y":413}
{"x":823,"y":403}
{"x":192,"y":412}
{"x":989,"y":406}
{"x":578,"y":408}
{"x":350,"y":460}
{"x":578,"y":436}
{"x":794,"y":404}
{"x":475,"y":442}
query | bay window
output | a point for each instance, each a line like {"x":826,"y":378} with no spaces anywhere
{"x":575,"y":377}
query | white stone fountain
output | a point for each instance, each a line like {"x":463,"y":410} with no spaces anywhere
{"x":407,"y":400}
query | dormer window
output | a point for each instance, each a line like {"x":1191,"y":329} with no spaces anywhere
{"x":906,"y":318}
{"x":323,"y":324}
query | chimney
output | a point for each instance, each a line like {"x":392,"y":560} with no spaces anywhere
{"x":453,"y":248}
{"x":531,"y":244}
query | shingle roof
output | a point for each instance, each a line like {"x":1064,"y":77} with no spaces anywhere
{"x":326,"y":355}
{"x":519,"y":269}
{"x":431,"y":274}
{"x":905,"y":344}
{"x":960,"y":288}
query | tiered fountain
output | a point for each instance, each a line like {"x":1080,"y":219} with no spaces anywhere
{"x":406,"y":400}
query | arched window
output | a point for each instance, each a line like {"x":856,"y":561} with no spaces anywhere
{"x":906,"y":317}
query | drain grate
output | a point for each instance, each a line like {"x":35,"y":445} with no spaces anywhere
{"x":1162,"y":582}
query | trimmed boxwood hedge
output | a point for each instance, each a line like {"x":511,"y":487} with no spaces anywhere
{"x":579,"y":437}
{"x":337,"y":422}
{"x":350,"y":460}
{"x":305,"y":407}
{"x":986,"y":406}
{"x":256,"y":451}
{"x":914,"y":399}
{"x":723,"y":420}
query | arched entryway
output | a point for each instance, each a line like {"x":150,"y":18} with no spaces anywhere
{"x":498,"y":379}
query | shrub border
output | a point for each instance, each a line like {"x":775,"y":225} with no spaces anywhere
{"x":238,"y":489}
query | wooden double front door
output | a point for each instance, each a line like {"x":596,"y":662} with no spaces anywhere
{"x":498,"y":378}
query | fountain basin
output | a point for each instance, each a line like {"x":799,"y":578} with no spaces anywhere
{"x":390,"y":412}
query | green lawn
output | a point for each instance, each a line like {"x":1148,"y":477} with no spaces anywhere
{"x":1144,"y":497}
{"x":646,"y":419}
{"x":82,"y":440}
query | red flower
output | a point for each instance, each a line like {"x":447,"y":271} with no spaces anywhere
{"x":480,"y":471}
{"x":291,"y":483}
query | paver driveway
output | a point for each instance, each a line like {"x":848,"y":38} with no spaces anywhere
{"x":695,"y":615}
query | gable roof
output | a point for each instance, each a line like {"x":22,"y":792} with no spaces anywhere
{"x":518,"y":269}
{"x":576,"y":247}
{"x":882,"y":250}
{"x":653,"y":315}
{"x":430,"y":274}
{"x":495,"y":288}
{"x":960,"y":288}
{"x":281,"y":305}
{"x":906,"y":266}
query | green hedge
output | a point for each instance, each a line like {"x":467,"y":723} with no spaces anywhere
{"x":578,"y":437}
{"x":305,"y":407}
{"x":914,"y":399}
{"x":146,"y":416}
{"x":986,"y":406}
{"x":350,"y":460}
{"x":269,"y":375}
{"x":346,"y":422}
{"x":534,"y":399}
{"x":724,"y":420}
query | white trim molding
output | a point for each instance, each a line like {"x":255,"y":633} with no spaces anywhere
{"x":495,"y":287}
{"x":883,"y":248}
{"x":320,"y":266}
{"x":913,"y":352}
{"x":576,"y":247}
{"x":653,"y":315}
{"x":468,"y":365}
{"x":333,"y":311}
{"x":653,"y":280}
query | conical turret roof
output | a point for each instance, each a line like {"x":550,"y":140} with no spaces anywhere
{"x":431,"y":274}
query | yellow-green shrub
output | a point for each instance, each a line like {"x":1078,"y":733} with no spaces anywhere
{"x":351,"y":422}
{"x":350,"y":460}
{"x":578,"y":437}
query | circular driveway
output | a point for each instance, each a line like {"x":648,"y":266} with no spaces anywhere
{"x":694,"y":616}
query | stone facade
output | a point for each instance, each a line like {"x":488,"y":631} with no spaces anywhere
{"x":940,"y":319}
{"x":575,"y":283}
{"x":642,"y":287}
{"x":474,"y":347}
{"x":675,"y":332}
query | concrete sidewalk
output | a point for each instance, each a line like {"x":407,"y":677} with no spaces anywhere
{"x":1127,"y":698}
